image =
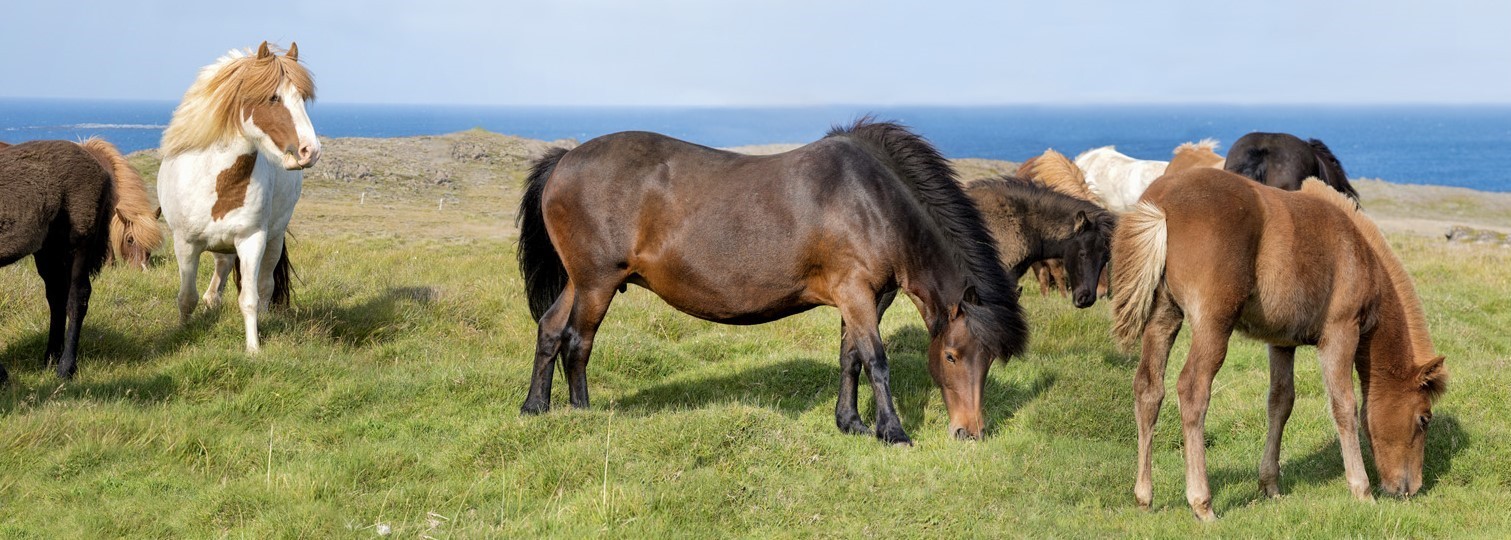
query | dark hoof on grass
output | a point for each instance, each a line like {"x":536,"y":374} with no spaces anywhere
{"x":534,"y":408}
{"x":894,"y":436}
{"x":854,"y":426}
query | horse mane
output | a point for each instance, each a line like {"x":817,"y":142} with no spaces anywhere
{"x":211,"y":109}
{"x":1036,"y":197}
{"x":1207,"y":145}
{"x":1058,"y":173}
{"x":1400,"y":281}
{"x":998,"y":319}
{"x":1332,"y":169}
{"x":134,"y":213}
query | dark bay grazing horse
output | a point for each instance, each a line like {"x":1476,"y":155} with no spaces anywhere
{"x":1283,"y":160}
{"x":58,"y":198}
{"x":846,"y":221}
{"x":1034,"y":223}
{"x":1255,"y":265}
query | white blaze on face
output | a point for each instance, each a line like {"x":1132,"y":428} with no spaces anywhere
{"x":281,"y":128}
{"x":309,"y":143}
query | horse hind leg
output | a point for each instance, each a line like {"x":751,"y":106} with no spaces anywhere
{"x":1149,"y":389}
{"x":548,"y":344}
{"x":1209,"y":347}
{"x":79,"y":290}
{"x":55,"y":273}
{"x":224,"y":264}
{"x":1282,"y":398}
{"x":588,"y":310}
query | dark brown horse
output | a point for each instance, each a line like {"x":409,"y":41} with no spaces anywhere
{"x":1254,"y":264}
{"x":57,"y":204}
{"x":845,"y":221}
{"x":1283,"y":160}
{"x":1034,"y":223}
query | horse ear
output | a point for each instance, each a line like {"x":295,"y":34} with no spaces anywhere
{"x":1082,"y":222}
{"x":1433,"y":377}
{"x":293,"y":53}
{"x":263,"y":52}
{"x":970,"y":296}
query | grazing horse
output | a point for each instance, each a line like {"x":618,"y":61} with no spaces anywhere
{"x":134,"y":233}
{"x":1033,"y":223}
{"x":846,"y":221}
{"x":1283,"y":160}
{"x":57,"y":206}
{"x":1057,"y":172}
{"x":233,"y":157}
{"x":1116,"y":179}
{"x":1254,"y":264}
{"x":1193,"y":155}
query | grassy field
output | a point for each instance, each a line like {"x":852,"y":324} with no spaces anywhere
{"x":388,"y":399}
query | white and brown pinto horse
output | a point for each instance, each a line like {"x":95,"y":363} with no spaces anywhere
{"x":1255,"y":265}
{"x":1117,"y":179}
{"x":233,"y":157}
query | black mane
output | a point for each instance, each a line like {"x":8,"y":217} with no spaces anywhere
{"x":998,"y":320}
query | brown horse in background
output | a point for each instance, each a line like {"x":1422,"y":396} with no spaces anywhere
{"x":1255,"y":265}
{"x":738,"y":239}
{"x":1034,"y":223}
{"x":1061,"y":174}
{"x":57,"y":204}
{"x":1194,"y":155}
{"x":134,"y":231}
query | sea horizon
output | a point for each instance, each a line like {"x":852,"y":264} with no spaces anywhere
{"x":1448,"y":144}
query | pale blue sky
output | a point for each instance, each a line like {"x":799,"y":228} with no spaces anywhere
{"x":781,"y":52}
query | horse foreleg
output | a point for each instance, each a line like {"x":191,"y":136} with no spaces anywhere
{"x":1209,"y":347}
{"x":861,"y":346}
{"x":1149,"y":390}
{"x":1282,"y":398}
{"x":1336,"y":351}
{"x":249,"y":252}
{"x":548,"y":342}
{"x":79,"y":291}
{"x":187,"y":254}
{"x":224,"y":263}
{"x":846,"y":415}
{"x":587,"y":313}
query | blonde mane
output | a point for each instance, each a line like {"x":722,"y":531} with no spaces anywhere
{"x":1204,"y":145}
{"x":212,"y":108}
{"x":1400,"y":281}
{"x":1060,"y":174}
{"x":134,"y":213}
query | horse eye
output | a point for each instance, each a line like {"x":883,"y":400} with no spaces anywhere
{"x":130,"y":240}
{"x":949,"y":357}
{"x":1423,"y":420}
{"x":275,"y":99}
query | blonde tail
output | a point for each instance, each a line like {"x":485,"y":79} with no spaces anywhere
{"x":1138,"y":249}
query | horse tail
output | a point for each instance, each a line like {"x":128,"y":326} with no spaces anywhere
{"x":97,"y":247}
{"x":1138,"y":246}
{"x":133,"y":217}
{"x":539,"y":263}
{"x":283,"y":277}
{"x":1332,"y":169}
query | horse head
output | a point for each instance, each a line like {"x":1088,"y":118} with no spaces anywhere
{"x":1396,"y":417}
{"x":1086,"y":254}
{"x":273,"y":115}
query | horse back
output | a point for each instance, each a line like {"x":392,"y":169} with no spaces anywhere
{"x":51,"y":187}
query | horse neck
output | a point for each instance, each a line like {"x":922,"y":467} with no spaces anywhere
{"x":935,"y":282}
{"x":1398,"y":339}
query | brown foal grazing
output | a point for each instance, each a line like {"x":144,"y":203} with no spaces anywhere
{"x":1255,"y":264}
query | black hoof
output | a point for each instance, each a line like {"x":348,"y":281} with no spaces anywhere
{"x":66,"y":373}
{"x":534,"y":408}
{"x":894,"y":436}
{"x":854,"y":426}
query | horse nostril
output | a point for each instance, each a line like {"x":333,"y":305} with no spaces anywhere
{"x":305,"y":151}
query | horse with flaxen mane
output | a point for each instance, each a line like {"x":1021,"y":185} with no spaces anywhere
{"x":1116,"y":179}
{"x":1283,"y":160}
{"x":134,"y":232}
{"x":233,"y":157}
{"x":1034,"y":223}
{"x":846,"y":221}
{"x":1253,"y":265}
{"x":59,"y":197}
{"x":1194,"y":155}
{"x":1057,"y":172}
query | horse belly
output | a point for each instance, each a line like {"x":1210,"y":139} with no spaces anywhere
{"x":727,"y":302}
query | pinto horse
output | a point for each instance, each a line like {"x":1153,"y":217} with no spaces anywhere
{"x":233,"y":157}
{"x":134,"y":232}
{"x":1117,"y":179}
{"x":1034,"y":223}
{"x":1253,"y":265}
{"x":59,"y":198}
{"x":846,"y":221}
{"x":1283,"y":160}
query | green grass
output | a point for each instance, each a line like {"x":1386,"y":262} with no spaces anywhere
{"x":390,"y":395}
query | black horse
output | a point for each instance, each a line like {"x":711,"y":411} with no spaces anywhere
{"x":846,"y":221}
{"x":58,"y":200}
{"x":1033,"y":223}
{"x":1283,"y":160}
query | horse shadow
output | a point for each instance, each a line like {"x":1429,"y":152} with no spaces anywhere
{"x":1446,"y":438}
{"x":798,"y":385}
{"x":365,"y":323}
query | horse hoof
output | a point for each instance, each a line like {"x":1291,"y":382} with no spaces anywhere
{"x":895,"y":437}
{"x":1203,"y":512}
{"x":533,"y":409}
{"x":855,"y":427}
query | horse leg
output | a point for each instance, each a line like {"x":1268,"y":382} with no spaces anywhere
{"x":1149,"y":389}
{"x":1041,"y":275}
{"x":1282,"y":398}
{"x":79,"y":291}
{"x":548,"y":341}
{"x":1336,"y":351}
{"x":224,"y":263}
{"x":588,"y":310}
{"x":249,"y":253}
{"x":861,"y":346}
{"x":55,"y":278}
{"x":1062,"y":282}
{"x":265,"y":284}
{"x":1209,"y":347}
{"x":188,"y":271}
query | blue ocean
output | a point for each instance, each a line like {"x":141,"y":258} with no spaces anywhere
{"x":1453,"y":146}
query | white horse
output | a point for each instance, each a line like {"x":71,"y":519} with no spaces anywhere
{"x":1117,"y":179}
{"x":232,"y":166}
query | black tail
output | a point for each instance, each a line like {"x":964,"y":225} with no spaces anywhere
{"x":1332,"y":170}
{"x":283,"y":278}
{"x":545,"y":277}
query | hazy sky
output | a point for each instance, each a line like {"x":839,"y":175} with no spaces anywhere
{"x":779,"y":52}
